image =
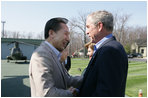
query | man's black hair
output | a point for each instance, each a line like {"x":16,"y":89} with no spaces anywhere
{"x":54,"y":24}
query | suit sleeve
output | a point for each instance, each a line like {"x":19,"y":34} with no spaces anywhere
{"x":109,"y":73}
{"x":42,"y":75}
{"x":74,"y":81}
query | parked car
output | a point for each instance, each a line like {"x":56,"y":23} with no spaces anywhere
{"x":130,"y":56}
{"x":139,"y":55}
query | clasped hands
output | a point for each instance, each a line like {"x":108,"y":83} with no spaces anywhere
{"x":74,"y":91}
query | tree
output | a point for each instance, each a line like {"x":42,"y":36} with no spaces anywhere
{"x":16,"y":34}
{"x":120,"y":27}
{"x":75,"y":41}
{"x":127,"y":48}
{"x":137,"y":32}
{"x":79,"y":24}
{"x":40,"y":35}
{"x":29,"y":35}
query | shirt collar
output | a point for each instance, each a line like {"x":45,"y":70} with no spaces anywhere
{"x":97,"y":45}
{"x":58,"y":54}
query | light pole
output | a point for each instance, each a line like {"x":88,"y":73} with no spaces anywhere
{"x":3,"y":22}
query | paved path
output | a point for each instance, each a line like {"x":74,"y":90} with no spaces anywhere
{"x":138,"y":59}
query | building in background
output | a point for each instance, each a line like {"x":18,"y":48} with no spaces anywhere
{"x":139,"y":46}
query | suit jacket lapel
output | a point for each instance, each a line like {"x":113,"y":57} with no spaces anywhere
{"x":94,"y":56}
{"x":56,"y":60}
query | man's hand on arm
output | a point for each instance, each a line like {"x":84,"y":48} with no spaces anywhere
{"x":74,"y":91}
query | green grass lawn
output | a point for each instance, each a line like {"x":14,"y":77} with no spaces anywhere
{"x":15,"y":79}
{"x":78,"y":63}
{"x":136,"y":79}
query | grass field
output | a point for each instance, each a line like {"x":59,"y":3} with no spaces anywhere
{"x":15,"y":79}
{"x":137,"y":79}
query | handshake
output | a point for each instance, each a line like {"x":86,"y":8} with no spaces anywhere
{"x":74,"y":91}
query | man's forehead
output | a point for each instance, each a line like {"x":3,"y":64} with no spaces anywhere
{"x":66,"y":31}
{"x":89,"y":20}
{"x":65,"y":28}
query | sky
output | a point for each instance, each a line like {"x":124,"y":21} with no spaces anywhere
{"x":31,"y":16}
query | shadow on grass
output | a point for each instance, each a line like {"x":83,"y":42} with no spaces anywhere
{"x":14,"y":87}
{"x":20,"y":62}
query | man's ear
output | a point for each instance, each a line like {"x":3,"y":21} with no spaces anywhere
{"x":51,"y":33}
{"x":100,"y":26}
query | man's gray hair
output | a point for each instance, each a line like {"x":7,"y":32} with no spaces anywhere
{"x":102,"y":16}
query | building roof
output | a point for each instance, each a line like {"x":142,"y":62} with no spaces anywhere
{"x":27,"y":41}
{"x":141,"y":42}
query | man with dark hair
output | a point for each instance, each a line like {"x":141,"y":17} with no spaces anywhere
{"x":47,"y":76}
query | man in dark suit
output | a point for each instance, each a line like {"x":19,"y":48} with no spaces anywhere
{"x":107,"y":70}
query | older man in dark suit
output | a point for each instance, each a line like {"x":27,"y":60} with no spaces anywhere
{"x":107,"y":71}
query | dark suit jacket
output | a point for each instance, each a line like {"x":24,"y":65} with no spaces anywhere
{"x":106,"y":72}
{"x":68,"y":65}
